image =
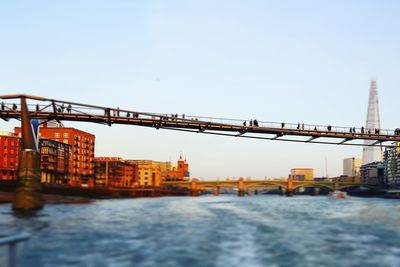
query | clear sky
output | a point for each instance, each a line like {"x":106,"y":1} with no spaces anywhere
{"x":293,"y":61}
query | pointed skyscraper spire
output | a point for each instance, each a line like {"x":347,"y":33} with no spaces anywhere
{"x":371,"y":154}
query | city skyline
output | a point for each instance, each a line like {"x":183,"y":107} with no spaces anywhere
{"x":197,"y":59}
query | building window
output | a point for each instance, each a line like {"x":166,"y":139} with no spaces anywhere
{"x":65,"y":141}
{"x":65,"y":135}
{"x":56,"y":135}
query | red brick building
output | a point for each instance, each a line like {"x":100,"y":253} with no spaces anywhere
{"x":54,"y":159}
{"x":180,"y":172}
{"x":9,"y":151}
{"x":81,"y":165}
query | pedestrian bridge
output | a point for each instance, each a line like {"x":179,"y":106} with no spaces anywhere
{"x":51,"y":109}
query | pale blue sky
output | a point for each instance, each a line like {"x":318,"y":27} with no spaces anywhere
{"x":292,"y":61}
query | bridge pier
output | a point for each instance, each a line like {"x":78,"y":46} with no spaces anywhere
{"x":28,"y":194}
{"x":216,"y":191}
{"x":290,"y":188}
{"x":194,"y":191}
{"x":241,"y":187}
{"x":336,"y":185}
{"x":289,"y":193}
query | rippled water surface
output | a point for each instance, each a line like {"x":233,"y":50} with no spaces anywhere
{"x":212,"y":231}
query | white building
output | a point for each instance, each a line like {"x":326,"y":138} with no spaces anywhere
{"x":351,"y":166}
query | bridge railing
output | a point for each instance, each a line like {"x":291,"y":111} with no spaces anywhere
{"x":295,"y":126}
{"x":11,"y":241}
{"x":46,"y":105}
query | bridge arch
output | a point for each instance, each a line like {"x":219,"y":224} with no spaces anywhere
{"x":371,"y":187}
{"x":266,"y":184}
{"x":315,"y":185}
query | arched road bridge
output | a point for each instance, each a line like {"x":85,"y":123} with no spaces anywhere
{"x":287,"y":185}
{"x":60,"y":110}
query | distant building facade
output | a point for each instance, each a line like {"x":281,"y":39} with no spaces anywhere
{"x":392,"y":165}
{"x":180,"y":172}
{"x":81,"y":165}
{"x":302,"y":174}
{"x":114,"y":172}
{"x":347,"y":179}
{"x":149,"y":173}
{"x":9,"y":152}
{"x":372,"y":173}
{"x":351,"y":167}
{"x":54,"y":161}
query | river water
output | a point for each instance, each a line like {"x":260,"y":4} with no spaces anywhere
{"x":264,"y":230}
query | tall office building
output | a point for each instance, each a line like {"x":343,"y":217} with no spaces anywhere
{"x":351,"y":167}
{"x":372,"y":153}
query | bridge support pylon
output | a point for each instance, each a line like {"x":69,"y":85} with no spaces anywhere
{"x":28,"y":194}
{"x":336,"y":185}
{"x":216,"y":191}
{"x":194,"y":191}
{"x":290,"y":188}
{"x":241,"y":187}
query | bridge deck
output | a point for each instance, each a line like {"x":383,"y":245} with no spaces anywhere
{"x":50,"y":109}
